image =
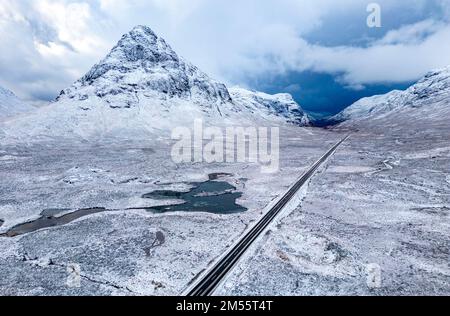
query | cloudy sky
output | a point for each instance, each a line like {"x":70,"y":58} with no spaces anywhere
{"x":321,"y":51}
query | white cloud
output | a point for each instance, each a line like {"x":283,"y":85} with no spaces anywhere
{"x":71,"y":23}
{"x":411,"y":34}
{"x":10,"y":12}
{"x":399,"y":57}
{"x":47,"y":44}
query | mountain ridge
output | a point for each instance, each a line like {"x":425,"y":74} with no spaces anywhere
{"x":431,"y":90}
{"x":11,"y":105}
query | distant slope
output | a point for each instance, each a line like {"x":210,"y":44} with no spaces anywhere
{"x":10,"y":105}
{"x":281,"y":105}
{"x":427,"y":100}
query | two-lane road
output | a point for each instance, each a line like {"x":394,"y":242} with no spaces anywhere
{"x":212,"y":279}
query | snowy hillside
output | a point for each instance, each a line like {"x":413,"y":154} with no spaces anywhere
{"x":282,"y":105}
{"x":142,"y":87}
{"x":10,"y":105}
{"x":143,"y":63}
{"x":427,"y":99}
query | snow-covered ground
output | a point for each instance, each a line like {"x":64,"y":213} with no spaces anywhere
{"x":375,"y":204}
{"x":111,"y":247}
{"x":103,"y":145}
{"x":382,"y":201}
{"x":376,"y":221}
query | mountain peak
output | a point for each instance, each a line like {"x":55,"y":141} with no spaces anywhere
{"x":142,"y":85}
{"x":141,"y":43}
{"x":143,"y":63}
{"x":142,"y":32}
{"x":144,"y":29}
{"x":141,"y":48}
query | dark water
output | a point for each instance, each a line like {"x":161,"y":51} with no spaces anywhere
{"x":47,"y":221}
{"x":216,"y":176}
{"x":211,"y":197}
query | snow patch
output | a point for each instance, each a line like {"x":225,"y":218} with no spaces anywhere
{"x":350,"y":169}
{"x":436,"y":152}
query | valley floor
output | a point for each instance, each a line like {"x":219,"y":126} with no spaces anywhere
{"x":381,"y":205}
{"x":375,"y":222}
{"x":121,"y":251}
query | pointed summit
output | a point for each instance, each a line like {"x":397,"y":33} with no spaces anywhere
{"x":143,"y":63}
{"x":138,"y":49}
{"x":142,"y":89}
{"x":143,"y":29}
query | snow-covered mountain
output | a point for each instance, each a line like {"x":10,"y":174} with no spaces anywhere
{"x":142,"y":64}
{"x":428,"y":99}
{"x":282,"y":105}
{"x":143,"y":87}
{"x":11,"y":105}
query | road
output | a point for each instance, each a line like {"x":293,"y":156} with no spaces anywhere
{"x":212,"y":279}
